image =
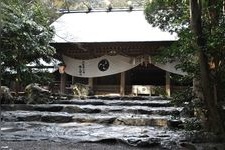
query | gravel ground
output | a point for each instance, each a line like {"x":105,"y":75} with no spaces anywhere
{"x":47,"y":145}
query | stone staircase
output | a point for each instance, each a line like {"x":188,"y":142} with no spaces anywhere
{"x":136,"y":122}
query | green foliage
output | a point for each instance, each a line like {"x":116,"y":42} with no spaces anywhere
{"x":192,"y":124}
{"x":181,"y":80}
{"x":43,"y":78}
{"x":174,"y":16}
{"x":25,"y":37}
{"x":182,"y":97}
{"x":193,"y":109}
{"x":170,"y":15}
{"x":160,"y":91}
{"x":200,"y":50}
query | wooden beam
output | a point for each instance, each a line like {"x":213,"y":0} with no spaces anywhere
{"x":94,"y":50}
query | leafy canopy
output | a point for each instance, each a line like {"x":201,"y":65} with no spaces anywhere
{"x":25,"y":36}
{"x":174,"y":16}
{"x":200,"y":48}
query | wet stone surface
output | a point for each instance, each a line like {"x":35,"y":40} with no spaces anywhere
{"x":141,"y":123}
{"x":78,"y":132}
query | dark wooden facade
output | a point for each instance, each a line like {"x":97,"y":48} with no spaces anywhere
{"x":94,"y":50}
{"x":144,"y":74}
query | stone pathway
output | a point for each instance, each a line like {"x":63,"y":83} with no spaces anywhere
{"x":141,"y":123}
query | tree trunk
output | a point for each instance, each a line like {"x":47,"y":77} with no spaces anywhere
{"x":224,"y":7}
{"x":18,"y":80}
{"x":214,"y":122}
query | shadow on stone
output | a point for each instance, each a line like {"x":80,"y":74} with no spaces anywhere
{"x":57,"y":118}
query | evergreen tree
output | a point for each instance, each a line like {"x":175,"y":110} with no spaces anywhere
{"x":200,"y":47}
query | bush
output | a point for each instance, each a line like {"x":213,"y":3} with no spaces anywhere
{"x":192,"y":124}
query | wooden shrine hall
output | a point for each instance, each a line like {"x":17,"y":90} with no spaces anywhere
{"x":112,"y":52}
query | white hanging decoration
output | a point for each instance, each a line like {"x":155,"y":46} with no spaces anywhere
{"x":109,"y":65}
{"x":98,"y":67}
{"x":170,"y":67}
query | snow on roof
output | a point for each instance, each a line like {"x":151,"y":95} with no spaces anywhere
{"x":115,"y":26}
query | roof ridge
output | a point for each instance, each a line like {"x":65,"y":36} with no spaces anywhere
{"x":100,"y":10}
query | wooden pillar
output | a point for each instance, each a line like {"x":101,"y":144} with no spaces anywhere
{"x":167,"y":83}
{"x":90,"y":82}
{"x":73,"y":80}
{"x":122,"y":84}
{"x":91,"y":86}
{"x":62,"y":83}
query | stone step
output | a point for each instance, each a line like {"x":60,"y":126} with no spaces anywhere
{"x":69,"y":108}
{"x":15,"y":116}
{"x":123,"y":119}
{"x":106,"y":118}
{"x":95,"y":102}
{"x":133,"y":109}
{"x":117,"y":97}
{"x":91,"y":132}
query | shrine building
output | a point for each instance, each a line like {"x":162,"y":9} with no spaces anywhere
{"x":112,"y":52}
